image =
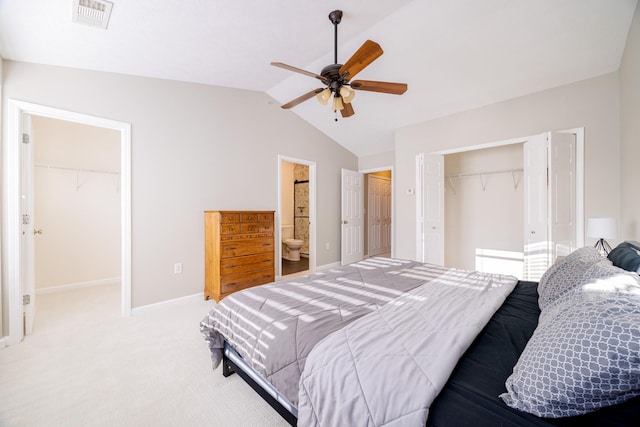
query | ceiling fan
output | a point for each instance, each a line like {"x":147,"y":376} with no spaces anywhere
{"x":336,"y":78}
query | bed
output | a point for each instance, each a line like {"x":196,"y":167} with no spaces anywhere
{"x":396,"y":342}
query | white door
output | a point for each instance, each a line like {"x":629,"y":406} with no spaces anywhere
{"x":550,"y":200}
{"x":28,"y":229}
{"x":433,"y":209}
{"x":352,"y":240}
{"x":378,"y":215}
{"x":385,"y":217}
{"x":536,"y":232}
{"x":562,"y":184}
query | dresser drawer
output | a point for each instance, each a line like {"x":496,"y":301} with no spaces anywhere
{"x":250,"y":227}
{"x":249,"y":217}
{"x":238,"y":281}
{"x":266,"y":228}
{"x":246,"y":263}
{"x":265,"y":217}
{"x":226,"y":217}
{"x":229,"y":229}
{"x":233,"y":248}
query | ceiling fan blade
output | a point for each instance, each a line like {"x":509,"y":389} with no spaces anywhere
{"x":368,"y":52}
{"x":301,"y":71}
{"x":301,"y":98}
{"x":347,"y":111}
{"x":384,"y":87}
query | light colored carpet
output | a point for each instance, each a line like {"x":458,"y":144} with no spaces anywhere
{"x":84,"y":365}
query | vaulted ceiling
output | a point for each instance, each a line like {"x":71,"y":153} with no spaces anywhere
{"x":454,"y":54}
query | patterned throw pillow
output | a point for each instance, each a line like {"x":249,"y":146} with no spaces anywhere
{"x":565,"y":276}
{"x":585,"y":352}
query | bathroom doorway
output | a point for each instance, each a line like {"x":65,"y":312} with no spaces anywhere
{"x":296,"y":216}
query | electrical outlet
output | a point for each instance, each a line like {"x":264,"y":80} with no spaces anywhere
{"x":177,"y":268}
{"x":327,"y":246}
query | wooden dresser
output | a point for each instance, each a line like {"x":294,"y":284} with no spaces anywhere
{"x":239,"y":251}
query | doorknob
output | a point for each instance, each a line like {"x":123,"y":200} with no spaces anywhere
{"x":37,"y":231}
{"x":345,"y":222}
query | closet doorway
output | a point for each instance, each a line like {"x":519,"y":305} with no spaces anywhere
{"x":20,"y":232}
{"x":76,"y":214}
{"x":489,"y":202}
{"x":296,"y":218}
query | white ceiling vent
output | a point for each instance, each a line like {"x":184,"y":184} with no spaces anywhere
{"x":92,"y":12}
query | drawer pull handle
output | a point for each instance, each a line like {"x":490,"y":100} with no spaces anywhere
{"x":230,"y":249}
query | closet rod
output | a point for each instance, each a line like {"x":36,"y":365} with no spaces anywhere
{"x":76,"y":169}
{"x":459,"y":175}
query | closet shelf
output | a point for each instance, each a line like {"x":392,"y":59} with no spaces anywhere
{"x":76,"y":169}
{"x":514,"y":173}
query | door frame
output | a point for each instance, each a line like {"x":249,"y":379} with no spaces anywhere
{"x":579,"y":134}
{"x":393,"y":200}
{"x":312,"y":212}
{"x":11,"y":207}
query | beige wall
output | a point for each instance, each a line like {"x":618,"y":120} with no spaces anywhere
{"x":78,"y":211}
{"x":593,"y":104}
{"x":194,"y":147}
{"x":376,"y":161}
{"x":630,"y":133}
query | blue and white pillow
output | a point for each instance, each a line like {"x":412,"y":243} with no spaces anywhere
{"x":585,"y":358}
{"x":565,"y":276}
{"x":585,"y":352}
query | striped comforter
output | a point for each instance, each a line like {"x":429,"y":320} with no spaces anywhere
{"x":275,"y":327}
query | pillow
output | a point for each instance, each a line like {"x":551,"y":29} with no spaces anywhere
{"x":567,"y":274}
{"x":584,"y":354}
{"x":626,"y":256}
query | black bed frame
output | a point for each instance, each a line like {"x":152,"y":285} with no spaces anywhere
{"x":229,"y":368}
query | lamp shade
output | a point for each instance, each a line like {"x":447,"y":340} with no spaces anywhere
{"x":323,"y":97}
{"x":337,"y":104}
{"x":602,"y":228}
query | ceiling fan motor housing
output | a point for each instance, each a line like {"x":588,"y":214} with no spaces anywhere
{"x":337,"y":77}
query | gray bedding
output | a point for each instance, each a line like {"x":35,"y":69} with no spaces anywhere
{"x":275,"y":327}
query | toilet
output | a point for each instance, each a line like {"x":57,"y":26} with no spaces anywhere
{"x":290,"y":246}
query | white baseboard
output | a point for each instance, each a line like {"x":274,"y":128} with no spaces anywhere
{"x":71,"y":286}
{"x":167,"y":302}
{"x":328,"y":266}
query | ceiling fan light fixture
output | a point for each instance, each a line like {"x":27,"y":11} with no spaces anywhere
{"x":324,"y":96}
{"x":337,"y":103}
{"x":347,"y":94}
